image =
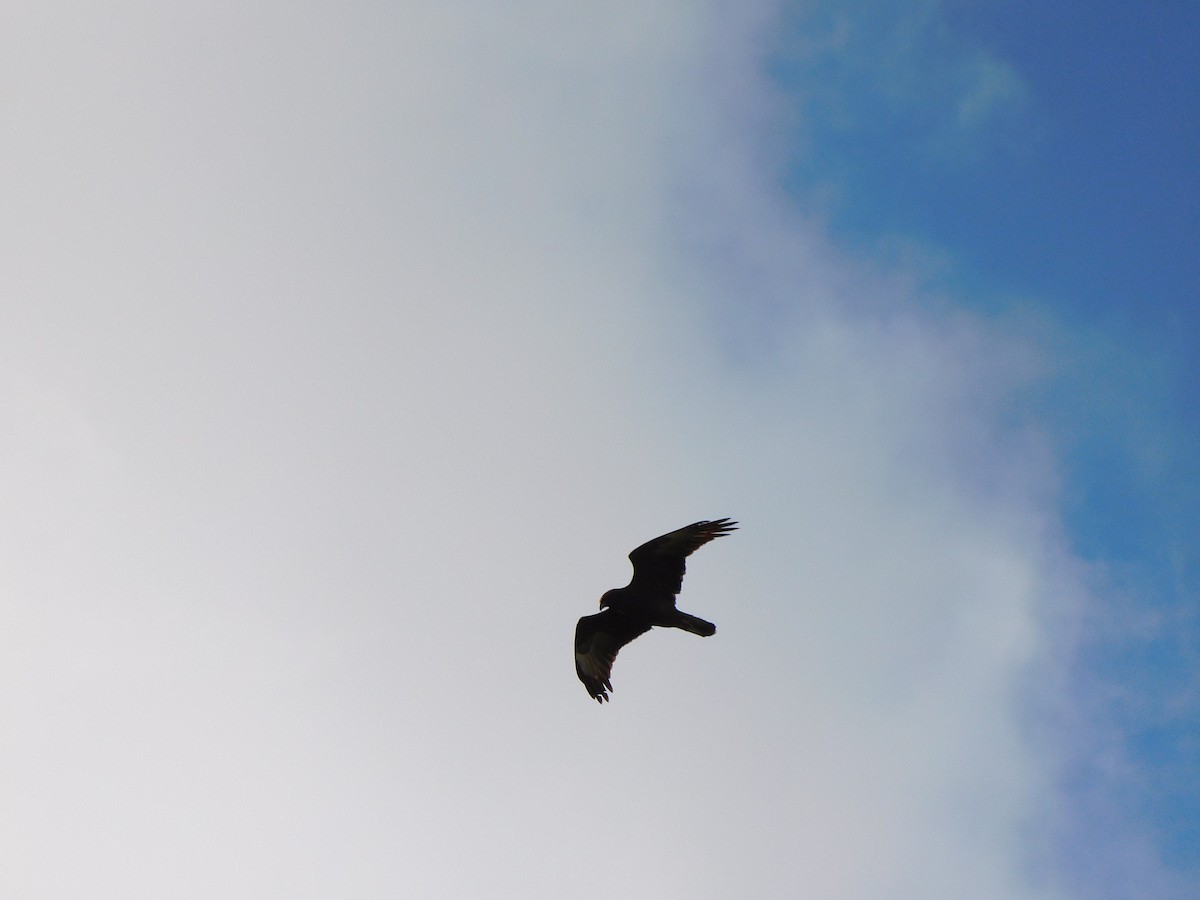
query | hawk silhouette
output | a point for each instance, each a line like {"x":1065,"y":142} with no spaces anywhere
{"x":648,"y":600}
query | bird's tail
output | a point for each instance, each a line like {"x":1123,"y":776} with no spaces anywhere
{"x":694,"y":624}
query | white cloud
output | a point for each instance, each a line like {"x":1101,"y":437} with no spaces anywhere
{"x":992,"y":88}
{"x":903,"y":80}
{"x":352,"y":350}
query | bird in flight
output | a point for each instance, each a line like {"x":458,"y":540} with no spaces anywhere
{"x":648,"y":600}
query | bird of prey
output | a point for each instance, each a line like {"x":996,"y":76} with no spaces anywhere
{"x":648,"y":600}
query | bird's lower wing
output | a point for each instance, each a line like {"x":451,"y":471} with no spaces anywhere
{"x":598,"y":638}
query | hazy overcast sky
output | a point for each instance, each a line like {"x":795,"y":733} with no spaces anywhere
{"x":347,"y":349}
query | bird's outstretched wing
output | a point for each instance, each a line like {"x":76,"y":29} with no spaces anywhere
{"x":597,"y":640}
{"x":660,"y":563}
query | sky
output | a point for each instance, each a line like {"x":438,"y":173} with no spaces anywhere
{"x":347,"y":349}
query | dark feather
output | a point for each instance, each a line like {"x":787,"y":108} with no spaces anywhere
{"x":648,"y":600}
{"x":598,"y":638}
{"x":660,"y":563}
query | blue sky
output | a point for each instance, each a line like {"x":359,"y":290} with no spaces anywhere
{"x":1032,"y":163}
{"x":347,"y":349}
{"x":1068,"y":198}
{"x":1072,"y":193}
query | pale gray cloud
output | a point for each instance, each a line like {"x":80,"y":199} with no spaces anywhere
{"x":349,"y":350}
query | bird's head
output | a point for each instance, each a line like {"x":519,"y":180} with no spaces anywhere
{"x":604,"y":600}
